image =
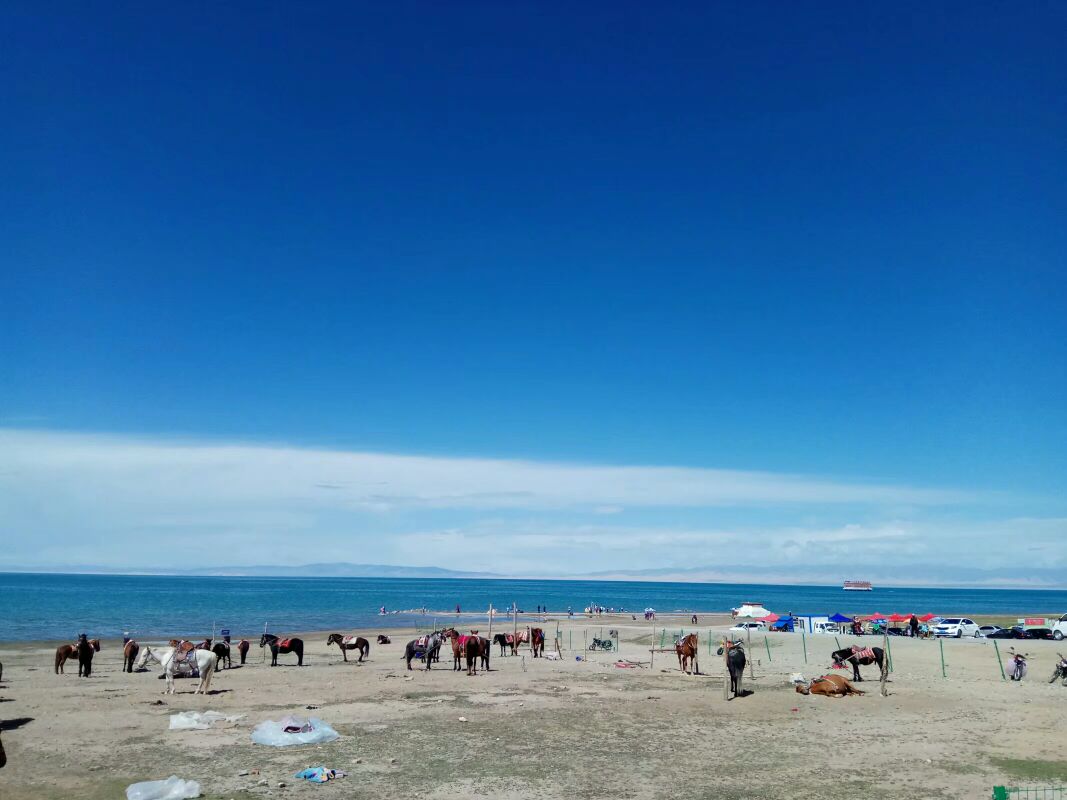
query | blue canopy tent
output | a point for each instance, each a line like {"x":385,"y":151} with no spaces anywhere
{"x":840,"y":618}
{"x":783,"y":624}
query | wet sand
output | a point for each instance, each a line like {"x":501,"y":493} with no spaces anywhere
{"x":554,"y":729}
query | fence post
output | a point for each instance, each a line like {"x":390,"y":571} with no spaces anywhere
{"x":768,"y":646}
{"x":804,"y":644}
{"x":1000,"y":663}
{"x":941,"y":642}
{"x":889,"y":653}
{"x":838,"y":643}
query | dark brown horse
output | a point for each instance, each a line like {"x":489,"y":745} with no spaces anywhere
{"x":129,"y":655}
{"x":506,"y":642}
{"x":222,"y":653}
{"x":857,"y":655}
{"x":347,"y":643}
{"x":686,"y":648}
{"x":65,"y":651}
{"x":537,"y":642}
{"x":242,"y":648}
{"x":277,"y":645}
{"x":383,"y":639}
{"x":735,"y":664}
{"x":85,"y":657}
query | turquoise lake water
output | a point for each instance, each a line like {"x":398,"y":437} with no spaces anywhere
{"x":36,"y":606}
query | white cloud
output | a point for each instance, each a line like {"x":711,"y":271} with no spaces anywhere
{"x":70,"y":498}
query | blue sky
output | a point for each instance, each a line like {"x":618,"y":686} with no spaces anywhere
{"x":814,"y":242}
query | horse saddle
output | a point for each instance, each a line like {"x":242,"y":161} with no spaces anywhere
{"x":349,"y":640}
{"x":284,"y":643}
{"x":509,"y":638}
{"x":422,"y":641}
{"x":862,"y":652}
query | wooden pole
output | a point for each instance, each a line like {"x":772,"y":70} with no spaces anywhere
{"x":490,"y":622}
{"x":515,"y":626}
{"x":652,"y":648}
{"x":941,"y":642}
{"x":726,"y":669}
{"x":768,"y":645}
{"x":804,"y":644}
{"x":751,"y":660}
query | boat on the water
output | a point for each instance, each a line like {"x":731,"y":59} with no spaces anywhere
{"x":858,"y":586}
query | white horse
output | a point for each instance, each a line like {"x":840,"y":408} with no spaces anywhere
{"x":205,"y":664}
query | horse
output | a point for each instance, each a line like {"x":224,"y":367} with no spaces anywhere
{"x":383,"y":639}
{"x":65,"y":651}
{"x":484,"y":650}
{"x":129,"y":655}
{"x":85,"y":657}
{"x":829,"y":685}
{"x":222,"y":653}
{"x":537,"y":642}
{"x":686,"y":649}
{"x":169,"y":658}
{"x":242,"y":648}
{"x":502,"y":640}
{"x":861,"y":655}
{"x":277,"y":645}
{"x":347,"y":643}
{"x":735,"y":663}
{"x":425,"y":647}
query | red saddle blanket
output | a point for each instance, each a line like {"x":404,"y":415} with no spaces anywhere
{"x":284,"y":643}
{"x":862,"y":652}
{"x":422,"y":641}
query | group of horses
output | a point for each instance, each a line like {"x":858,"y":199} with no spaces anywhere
{"x":687,"y":648}
{"x":470,"y":649}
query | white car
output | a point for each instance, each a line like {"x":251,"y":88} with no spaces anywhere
{"x":955,"y":626}
{"x":830,"y":628}
{"x":985,"y":630}
{"x":745,"y":627}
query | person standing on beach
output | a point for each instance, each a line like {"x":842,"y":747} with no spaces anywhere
{"x":913,"y":623}
{"x":457,"y":609}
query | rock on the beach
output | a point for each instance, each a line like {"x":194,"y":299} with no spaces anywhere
{"x":462,"y":719}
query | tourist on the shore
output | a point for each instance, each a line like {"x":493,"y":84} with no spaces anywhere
{"x":694,"y":620}
{"x":913,"y":623}
{"x":457,"y":609}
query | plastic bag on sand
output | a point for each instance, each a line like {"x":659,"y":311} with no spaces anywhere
{"x":197,"y":721}
{"x":173,"y":788}
{"x":300,"y":731}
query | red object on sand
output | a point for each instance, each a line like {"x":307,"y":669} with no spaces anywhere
{"x":927,"y":617}
{"x":772,"y":617}
{"x":899,"y":617}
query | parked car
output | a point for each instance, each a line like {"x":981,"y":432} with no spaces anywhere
{"x":831,"y":628}
{"x":1059,"y":629}
{"x":1014,"y":632}
{"x":956,"y":627}
{"x":986,"y":631}
{"x":745,"y":627}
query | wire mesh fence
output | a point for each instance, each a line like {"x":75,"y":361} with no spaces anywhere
{"x":1030,"y":793}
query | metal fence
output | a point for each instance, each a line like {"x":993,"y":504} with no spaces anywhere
{"x":1030,"y":793}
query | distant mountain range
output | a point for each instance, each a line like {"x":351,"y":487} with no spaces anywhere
{"x":329,"y":570}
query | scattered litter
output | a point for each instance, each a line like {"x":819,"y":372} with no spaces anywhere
{"x":197,"y":721}
{"x":320,"y":774}
{"x":552,"y":656}
{"x":293,"y":730}
{"x":310,"y":708}
{"x":173,"y":788}
{"x":577,"y":658}
{"x":242,"y":773}
{"x":462,"y":719}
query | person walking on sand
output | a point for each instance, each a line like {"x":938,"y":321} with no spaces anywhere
{"x":457,"y":609}
{"x":913,"y":623}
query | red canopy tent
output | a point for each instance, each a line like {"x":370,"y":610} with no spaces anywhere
{"x":872,"y":617}
{"x":899,"y":617}
{"x":772,"y":617}
{"x":927,"y":617}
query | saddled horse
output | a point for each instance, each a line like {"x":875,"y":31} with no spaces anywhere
{"x":857,"y":655}
{"x":829,"y":685}
{"x":277,"y":645}
{"x":506,"y":643}
{"x":425,"y":647}
{"x":242,"y":649}
{"x":537,"y":642}
{"x":170,"y":659}
{"x":347,"y":643}
{"x":70,"y":651}
{"x":735,"y":664}
{"x":686,"y":648}
{"x":129,"y":655}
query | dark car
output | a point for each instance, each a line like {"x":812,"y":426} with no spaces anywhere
{"x":1019,"y":632}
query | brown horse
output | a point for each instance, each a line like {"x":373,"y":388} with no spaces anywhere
{"x":537,"y":642}
{"x":829,"y":685}
{"x":129,"y":655}
{"x":347,"y":643}
{"x":182,"y":646}
{"x":85,"y":657}
{"x":383,"y":639}
{"x":65,"y":651}
{"x":687,"y":648}
{"x":242,"y":648}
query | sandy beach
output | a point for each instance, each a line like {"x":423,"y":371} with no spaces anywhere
{"x":554,"y":729}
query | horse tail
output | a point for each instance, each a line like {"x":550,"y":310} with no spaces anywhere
{"x":366,"y":647}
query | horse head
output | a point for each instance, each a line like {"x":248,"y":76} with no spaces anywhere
{"x":265,"y":638}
